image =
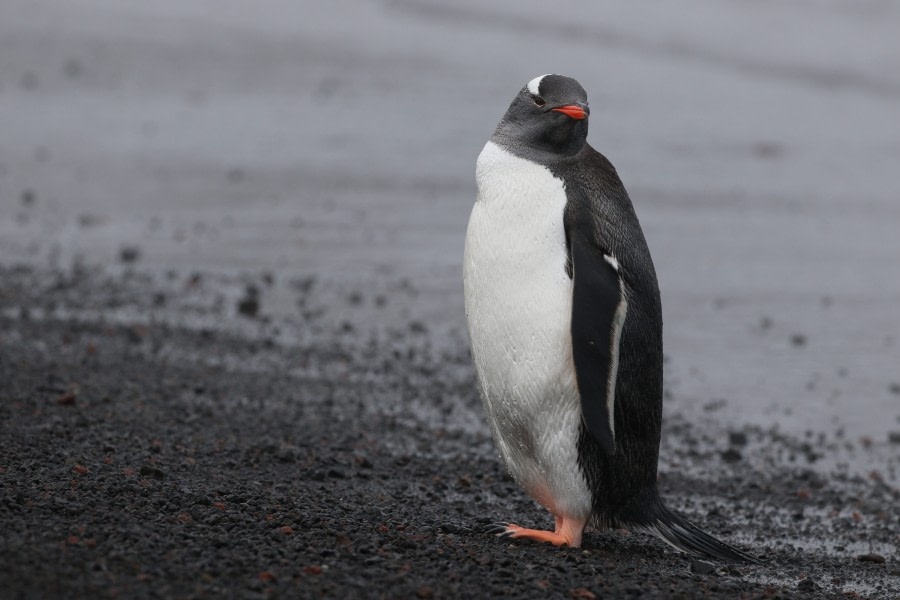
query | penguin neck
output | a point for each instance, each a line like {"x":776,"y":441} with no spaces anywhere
{"x":543,"y":147}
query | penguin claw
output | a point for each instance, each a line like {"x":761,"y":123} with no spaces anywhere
{"x":498,"y":529}
{"x":503,"y":530}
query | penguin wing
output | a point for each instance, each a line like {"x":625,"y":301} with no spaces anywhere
{"x":599,"y":307}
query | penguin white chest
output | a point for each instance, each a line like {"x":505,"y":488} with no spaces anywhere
{"x":519,"y":310}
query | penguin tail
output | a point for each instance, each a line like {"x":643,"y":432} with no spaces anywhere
{"x":654,"y":517}
{"x":683,"y":535}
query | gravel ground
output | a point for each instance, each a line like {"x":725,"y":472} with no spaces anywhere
{"x":162,"y":437}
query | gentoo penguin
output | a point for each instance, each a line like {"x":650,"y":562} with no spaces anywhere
{"x":565,"y":324}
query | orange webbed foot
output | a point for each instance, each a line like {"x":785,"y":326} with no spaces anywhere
{"x":565,"y":534}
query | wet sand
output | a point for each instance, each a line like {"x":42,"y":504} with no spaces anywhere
{"x":234,"y":239}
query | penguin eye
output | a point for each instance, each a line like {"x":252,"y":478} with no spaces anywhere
{"x":538,"y":100}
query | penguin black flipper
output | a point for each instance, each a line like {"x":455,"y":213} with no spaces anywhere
{"x":599,"y":308}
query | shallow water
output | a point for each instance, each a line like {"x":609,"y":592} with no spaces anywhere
{"x":760,"y":144}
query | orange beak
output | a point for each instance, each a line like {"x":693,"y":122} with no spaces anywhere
{"x":572,"y":110}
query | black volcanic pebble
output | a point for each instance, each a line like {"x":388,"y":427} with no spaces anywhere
{"x":737,"y":438}
{"x":129,"y":254}
{"x":732,"y":456}
{"x":702,"y":567}
{"x":871,"y":557}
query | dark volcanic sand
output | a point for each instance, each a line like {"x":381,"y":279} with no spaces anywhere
{"x":154,"y":443}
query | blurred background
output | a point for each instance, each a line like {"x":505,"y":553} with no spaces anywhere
{"x":760,"y":143}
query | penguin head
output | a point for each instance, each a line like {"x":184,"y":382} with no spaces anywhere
{"x":549,"y":115}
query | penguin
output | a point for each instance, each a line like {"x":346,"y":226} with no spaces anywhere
{"x":565,"y":325}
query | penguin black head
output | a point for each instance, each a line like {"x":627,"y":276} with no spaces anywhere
{"x":549,"y":115}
